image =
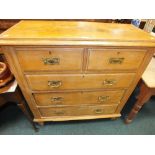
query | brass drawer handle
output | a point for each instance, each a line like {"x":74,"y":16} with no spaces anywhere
{"x":54,"y":84}
{"x":98,"y":111}
{"x":103,"y":98}
{"x":109,"y":82}
{"x":116,"y":60}
{"x":57,"y":99}
{"x":59,"y":112}
{"x":51,"y":61}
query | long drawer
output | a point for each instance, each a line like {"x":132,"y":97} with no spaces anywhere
{"x":79,"y":81}
{"x":50,"y":59}
{"x":79,"y":98}
{"x":77,"y":111}
{"x":115,"y":59}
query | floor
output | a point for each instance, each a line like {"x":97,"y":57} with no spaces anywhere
{"x":14,"y":122}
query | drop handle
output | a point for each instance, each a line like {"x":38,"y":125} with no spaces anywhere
{"x":109,"y":82}
{"x":54,"y":84}
{"x":103,"y":98}
{"x":116,"y":60}
{"x":59,"y":112}
{"x":51,"y":61}
{"x":98,"y":111}
{"x":57,"y":99}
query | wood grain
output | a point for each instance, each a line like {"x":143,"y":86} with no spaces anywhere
{"x":16,"y":70}
{"x":67,"y":59}
{"x":79,"y":81}
{"x":79,"y":98}
{"x":77,"y":111}
{"x":106,"y":57}
{"x":75,"y":33}
{"x":95,"y":60}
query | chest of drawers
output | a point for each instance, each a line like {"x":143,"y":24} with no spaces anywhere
{"x":76,"y":70}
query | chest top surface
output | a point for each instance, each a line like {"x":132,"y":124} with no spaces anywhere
{"x":76,"y":33}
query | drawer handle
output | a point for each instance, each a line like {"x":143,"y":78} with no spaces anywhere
{"x":59,"y":112}
{"x":103,"y":98}
{"x":109,"y":82}
{"x":54,"y":84}
{"x":116,"y":60}
{"x":51,"y":61}
{"x":98,"y":111}
{"x":57,"y":99}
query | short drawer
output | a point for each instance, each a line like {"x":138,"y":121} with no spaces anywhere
{"x":77,"y":111}
{"x":115,"y":59}
{"x":52,"y":59}
{"x":78,"y":81}
{"x":79,"y":98}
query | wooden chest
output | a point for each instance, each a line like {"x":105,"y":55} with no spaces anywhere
{"x":76,"y":70}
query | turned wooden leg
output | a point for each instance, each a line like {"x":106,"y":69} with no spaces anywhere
{"x":22,"y":105}
{"x":143,"y":97}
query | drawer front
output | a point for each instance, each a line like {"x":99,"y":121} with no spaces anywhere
{"x":115,"y":59}
{"x":53,"y":59}
{"x":79,"y":98}
{"x":77,"y":111}
{"x":78,"y":81}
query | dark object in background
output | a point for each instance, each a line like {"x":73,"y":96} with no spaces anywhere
{"x":142,"y":24}
{"x":123,"y":21}
{"x":7,"y":23}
